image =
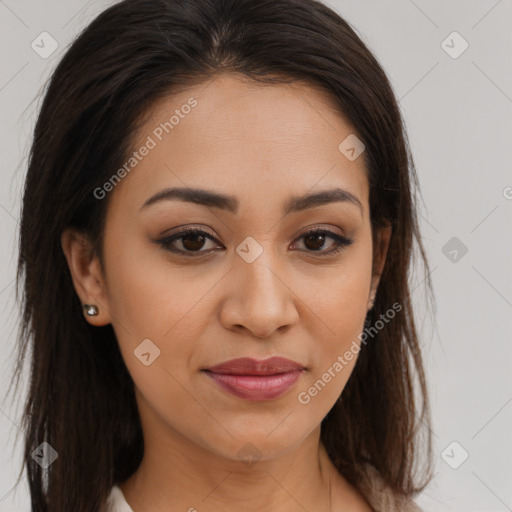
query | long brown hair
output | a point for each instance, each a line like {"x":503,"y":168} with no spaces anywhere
{"x":81,"y":397}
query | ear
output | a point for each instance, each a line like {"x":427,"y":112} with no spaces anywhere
{"x":86,"y":273}
{"x":380,"y":250}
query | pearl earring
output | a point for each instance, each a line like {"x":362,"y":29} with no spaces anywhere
{"x":90,"y":309}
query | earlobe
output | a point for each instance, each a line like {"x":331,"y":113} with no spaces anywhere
{"x":86,"y":274}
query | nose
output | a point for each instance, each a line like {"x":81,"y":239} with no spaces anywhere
{"x":261,"y":299}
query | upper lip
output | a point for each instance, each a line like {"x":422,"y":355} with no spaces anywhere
{"x":248,"y":366}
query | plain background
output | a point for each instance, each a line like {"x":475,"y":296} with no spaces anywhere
{"x":458,"y":117}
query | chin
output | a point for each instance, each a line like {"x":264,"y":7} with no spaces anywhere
{"x":257,"y":445}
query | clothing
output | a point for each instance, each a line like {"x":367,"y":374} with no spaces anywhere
{"x":116,"y":501}
{"x":380,"y":497}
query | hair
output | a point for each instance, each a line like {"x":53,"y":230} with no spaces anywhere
{"x":81,"y":397}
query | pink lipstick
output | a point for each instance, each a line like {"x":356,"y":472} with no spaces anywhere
{"x":255,"y":380}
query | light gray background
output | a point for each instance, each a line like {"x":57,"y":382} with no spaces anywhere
{"x":458,"y":117}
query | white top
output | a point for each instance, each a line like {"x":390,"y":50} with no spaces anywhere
{"x":116,"y":501}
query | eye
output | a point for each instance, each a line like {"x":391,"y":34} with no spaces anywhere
{"x":193,"y":240}
{"x":314,"y":240}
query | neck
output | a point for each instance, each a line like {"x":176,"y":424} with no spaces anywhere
{"x":177,"y":474}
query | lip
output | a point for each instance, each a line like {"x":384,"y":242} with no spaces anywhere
{"x":249,"y":366}
{"x":255,"y":380}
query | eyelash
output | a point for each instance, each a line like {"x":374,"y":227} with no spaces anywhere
{"x":341,"y":241}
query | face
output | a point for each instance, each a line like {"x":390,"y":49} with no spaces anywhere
{"x":254,"y":280}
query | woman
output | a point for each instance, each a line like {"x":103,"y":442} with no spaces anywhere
{"x":217,"y":230}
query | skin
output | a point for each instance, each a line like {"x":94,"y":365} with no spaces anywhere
{"x":262,"y":144}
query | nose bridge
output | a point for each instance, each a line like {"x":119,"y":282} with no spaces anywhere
{"x":257,"y":279}
{"x":260,"y":300}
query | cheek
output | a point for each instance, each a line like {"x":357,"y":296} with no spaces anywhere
{"x":335,"y":353}
{"x":152,"y":299}
{"x":149,"y":296}
{"x":339,"y":297}
{"x":339,"y":308}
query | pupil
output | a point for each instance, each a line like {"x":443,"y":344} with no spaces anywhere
{"x":319,"y":237}
{"x":197,"y":241}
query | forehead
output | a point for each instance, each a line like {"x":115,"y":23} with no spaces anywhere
{"x":244,"y":138}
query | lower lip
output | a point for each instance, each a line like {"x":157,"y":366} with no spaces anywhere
{"x":256,"y":387}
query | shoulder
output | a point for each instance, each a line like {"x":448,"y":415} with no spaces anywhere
{"x":381,"y":497}
{"x":116,"y":501}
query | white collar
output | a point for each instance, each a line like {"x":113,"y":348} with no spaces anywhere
{"x":116,"y":501}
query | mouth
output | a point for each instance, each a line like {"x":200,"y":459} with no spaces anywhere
{"x":255,"y":380}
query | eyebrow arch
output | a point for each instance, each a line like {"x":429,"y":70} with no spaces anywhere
{"x":231,"y":204}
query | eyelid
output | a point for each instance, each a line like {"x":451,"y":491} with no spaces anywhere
{"x":185,"y":228}
{"x":320,"y":227}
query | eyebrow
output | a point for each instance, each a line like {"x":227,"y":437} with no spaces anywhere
{"x":230,"y":203}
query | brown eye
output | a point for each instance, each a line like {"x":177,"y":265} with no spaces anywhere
{"x":315,"y":239}
{"x":191,"y":241}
